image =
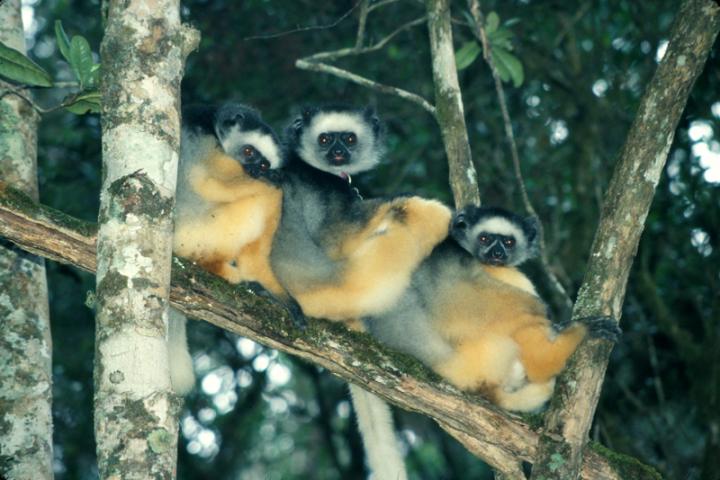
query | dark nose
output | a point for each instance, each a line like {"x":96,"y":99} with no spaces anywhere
{"x":338,"y":152}
{"x":497,"y":252}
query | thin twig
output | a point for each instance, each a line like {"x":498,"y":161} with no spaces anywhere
{"x":380,"y":4}
{"x":479,"y":30}
{"x":344,"y":52}
{"x":378,"y":87}
{"x":362,"y":21}
{"x":306,"y":29}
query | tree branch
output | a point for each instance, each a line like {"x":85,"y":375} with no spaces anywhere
{"x":484,"y":429}
{"x":449,"y":104}
{"x":627,"y":203}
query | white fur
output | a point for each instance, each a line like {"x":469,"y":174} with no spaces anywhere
{"x":182,"y":377}
{"x":378,"y":434}
{"x":528,"y":398}
{"x":366,"y":155}
{"x":236,"y":138}
{"x":500,"y":226}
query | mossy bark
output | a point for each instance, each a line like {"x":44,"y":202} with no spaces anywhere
{"x":627,"y":203}
{"x":25,"y":344}
{"x":136,"y":413}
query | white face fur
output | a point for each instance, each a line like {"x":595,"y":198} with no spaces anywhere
{"x":235,"y":139}
{"x":366,"y":154}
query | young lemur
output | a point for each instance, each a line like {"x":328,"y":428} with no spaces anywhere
{"x":481,"y":325}
{"x":225,"y":217}
{"x":342,"y":257}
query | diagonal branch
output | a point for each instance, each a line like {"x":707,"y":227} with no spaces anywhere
{"x":627,"y":203}
{"x":485,"y":430}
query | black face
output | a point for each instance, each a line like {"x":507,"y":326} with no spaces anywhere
{"x":338,"y":146}
{"x":254,"y":163}
{"x":495,"y":249}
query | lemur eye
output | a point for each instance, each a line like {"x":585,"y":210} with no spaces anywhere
{"x":323,"y":139}
{"x":248,"y":151}
{"x":483,"y":239}
{"x":351,"y":139}
{"x":509,"y":242}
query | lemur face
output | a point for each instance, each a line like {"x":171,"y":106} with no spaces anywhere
{"x":246,"y":138}
{"x":338,"y":140}
{"x":494,"y":236}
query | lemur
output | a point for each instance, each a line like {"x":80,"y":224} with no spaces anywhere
{"x":342,"y":257}
{"x":225,"y":217}
{"x":484,"y":330}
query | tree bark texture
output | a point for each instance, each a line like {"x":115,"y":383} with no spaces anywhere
{"x":25,"y":343}
{"x":143,"y":55}
{"x":626,"y":206}
{"x":495,"y":436}
{"x":449,"y":105}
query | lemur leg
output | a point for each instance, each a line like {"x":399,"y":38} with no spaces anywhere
{"x":544,"y":353}
{"x":525,"y":399}
{"x":380,"y":260}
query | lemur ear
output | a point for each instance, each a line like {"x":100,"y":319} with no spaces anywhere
{"x":307,"y":113}
{"x":371,"y":117}
{"x":531,"y":226}
{"x":458,"y":220}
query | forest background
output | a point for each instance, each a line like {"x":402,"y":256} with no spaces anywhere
{"x":258,"y":414}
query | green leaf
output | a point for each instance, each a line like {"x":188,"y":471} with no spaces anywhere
{"x":492,"y":22}
{"x":501,"y":38}
{"x":19,"y":68}
{"x":62,"y":40}
{"x":467,"y":55}
{"x":506,"y":61}
{"x":86,"y":102}
{"x":81,"y":60}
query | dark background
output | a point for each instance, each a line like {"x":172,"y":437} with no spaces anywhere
{"x":257,"y":414}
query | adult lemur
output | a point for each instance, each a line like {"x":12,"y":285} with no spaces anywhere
{"x":343,"y":257}
{"x":224,"y":216}
{"x":481,"y":325}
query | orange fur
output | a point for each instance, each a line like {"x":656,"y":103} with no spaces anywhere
{"x":378,"y":259}
{"x":503,"y":343}
{"x":234,"y":236}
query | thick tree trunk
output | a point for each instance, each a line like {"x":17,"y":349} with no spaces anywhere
{"x":143,"y":55}
{"x":449,"y":105}
{"x":627,"y":203}
{"x":25,"y":344}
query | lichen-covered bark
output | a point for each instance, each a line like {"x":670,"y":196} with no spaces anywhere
{"x":25,"y":344}
{"x":449,"y":105}
{"x":491,"y":434}
{"x":627,"y":202}
{"x":143,"y":55}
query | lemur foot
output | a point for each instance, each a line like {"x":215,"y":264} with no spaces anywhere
{"x":602,"y":326}
{"x":291,"y":305}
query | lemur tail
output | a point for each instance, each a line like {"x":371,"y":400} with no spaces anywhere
{"x":182,"y":377}
{"x":384,"y":458}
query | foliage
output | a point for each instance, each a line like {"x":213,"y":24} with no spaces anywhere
{"x":584,"y":67}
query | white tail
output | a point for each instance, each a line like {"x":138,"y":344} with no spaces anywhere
{"x":378,"y":434}
{"x":182,"y":377}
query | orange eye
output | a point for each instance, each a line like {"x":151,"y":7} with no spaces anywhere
{"x":351,"y":139}
{"x":323,"y":139}
{"x":248,"y":151}
{"x":483,"y":239}
{"x":509,"y":242}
